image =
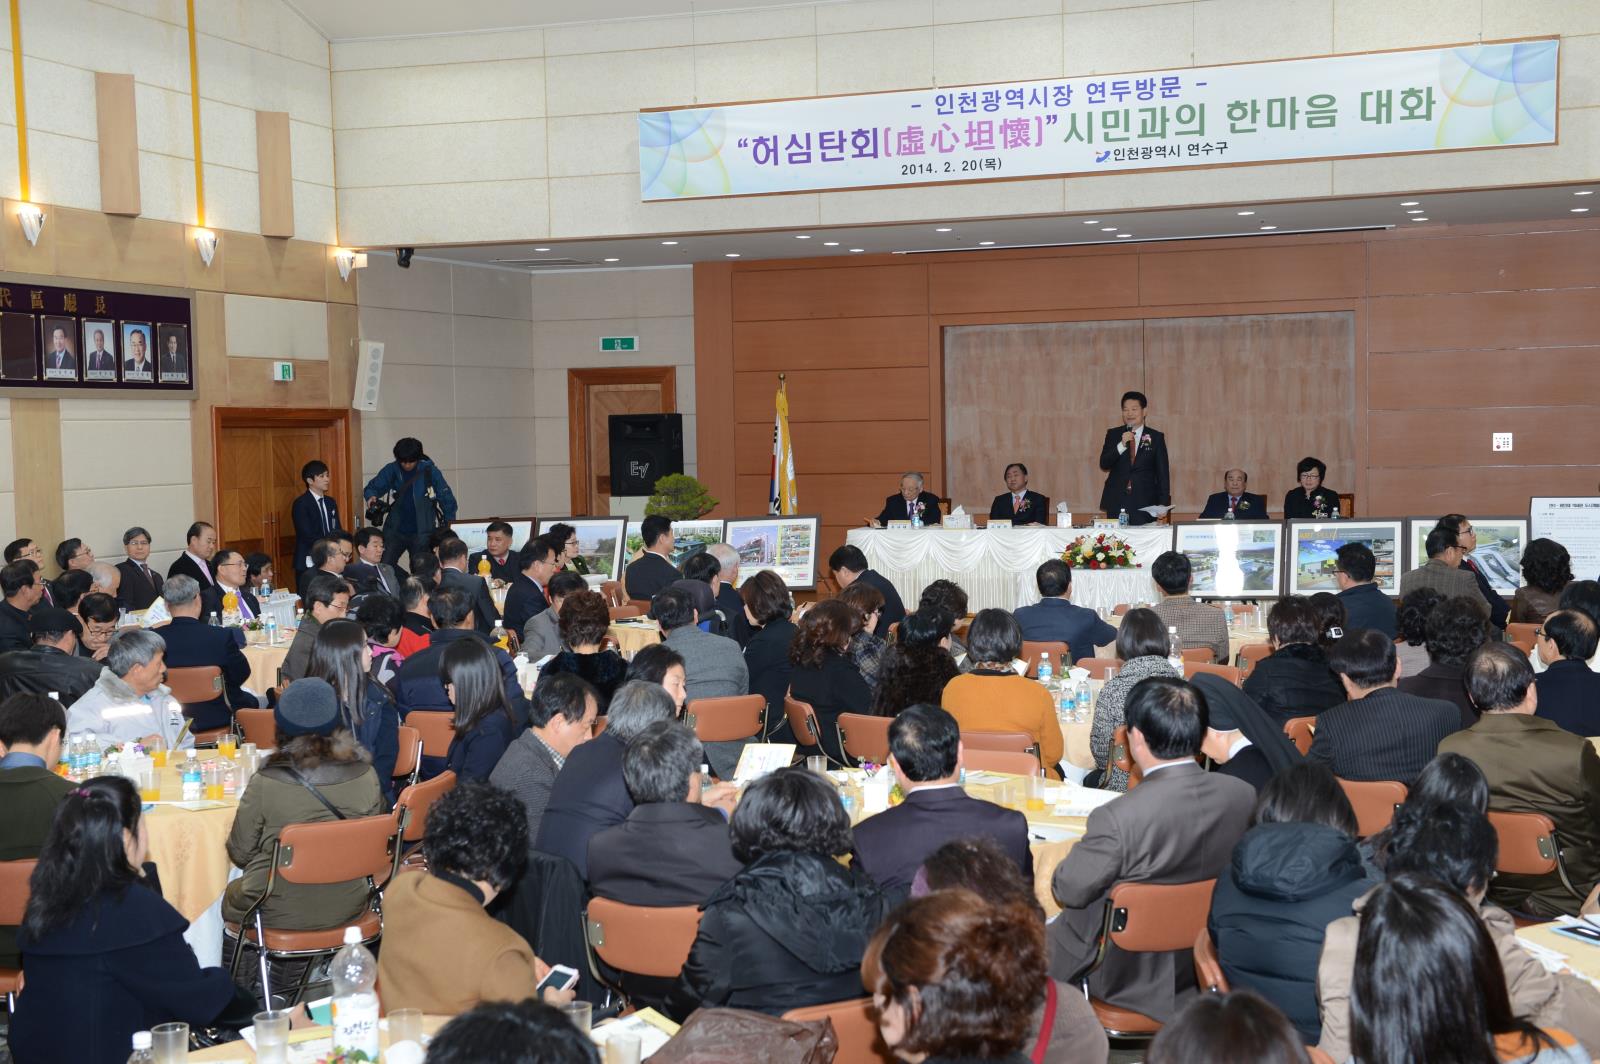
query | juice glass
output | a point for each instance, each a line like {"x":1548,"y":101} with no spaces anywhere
{"x":228,"y":745}
{"x":149,"y":785}
{"x":158,"y":754}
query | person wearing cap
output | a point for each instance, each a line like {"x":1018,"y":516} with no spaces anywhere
{"x":317,"y":768}
{"x":129,"y":703}
{"x":52,"y":664}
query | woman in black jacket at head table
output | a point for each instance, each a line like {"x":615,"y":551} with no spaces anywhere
{"x":768,"y":607}
{"x":823,"y":673}
{"x":103,"y":952}
{"x":1311,"y":500}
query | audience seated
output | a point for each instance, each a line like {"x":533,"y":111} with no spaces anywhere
{"x":714,"y":664}
{"x":73,"y":554}
{"x":105,"y":578}
{"x":1365,"y":604}
{"x":1532,"y":765}
{"x":1547,"y":568}
{"x":823,"y":673}
{"x":925,"y":757}
{"x":380,"y":617}
{"x":105,"y":954}
{"x":1456,"y":627}
{"x":128,"y":703}
{"x":1583,"y":596}
{"x":584,"y":621}
{"x":1241,"y":740}
{"x":52,"y":664}
{"x":673,"y":849}
{"x":991,"y":696}
{"x":140,"y":584}
{"x":368,"y":572}
{"x":1411,"y":625}
{"x":442,"y":953}
{"x":982,"y":866}
{"x":1198,"y":624}
{"x":418,"y":685}
{"x":484,"y":721}
{"x":416,"y":627}
{"x":317,"y":768}
{"x":98,"y":614}
{"x":527,"y":1032}
{"x":1443,"y":570}
{"x":1142,"y":837}
{"x":22,"y":588}
{"x":1380,"y":733}
{"x":453,"y":574}
{"x":1240,"y":1026}
{"x":790,"y":929}
{"x":259,"y":575}
{"x":954,"y":978}
{"x":949,"y":596}
{"x":1457,"y":847}
{"x":702,"y":579}
{"x":195,"y":561}
{"x":659,"y":664}
{"x":327,"y":598}
{"x":69,"y":587}
{"x":1466,"y":537}
{"x":233,"y":577}
{"x":1449,"y":779}
{"x":1054,"y":619}
{"x":866,"y":649}
{"x":191,"y":642}
{"x":1142,"y":646}
{"x":1569,"y":691}
{"x":1329,"y":610}
{"x":918,"y":665}
{"x":541,"y":635}
{"x":561,"y":714}
{"x":768,"y":607}
{"x":590,"y":793}
{"x":849,"y":565}
{"x":526,"y":598}
{"x":505,"y":563}
{"x":32,"y":728}
{"x":1294,"y":871}
{"x":1412,"y":927}
{"x":342,"y":658}
{"x":652,"y":571}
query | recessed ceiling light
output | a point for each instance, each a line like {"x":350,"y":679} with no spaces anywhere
{"x":857,"y":251}
{"x":1269,"y":227}
{"x":541,"y":249}
{"x":1585,"y":192}
{"x":668,"y":243}
{"x":801,"y":236}
{"x":942,"y":229}
{"x":613,"y":260}
{"x":1409,"y":203}
{"x":730,"y":254}
{"x":1246,"y":214}
{"x":1091,"y":221}
{"x":1580,"y":210}
{"x":1124,"y":236}
{"x":830,"y":243}
{"x":1109,"y":229}
{"x":1419,"y":219}
{"x":1415,"y":210}
{"x":990,"y":243}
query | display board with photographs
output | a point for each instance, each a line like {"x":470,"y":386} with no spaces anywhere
{"x":1499,"y":550}
{"x":786,"y":545}
{"x":1233,"y":559}
{"x":88,"y":340}
{"x":1315,"y":547}
{"x":1573,"y":522}
{"x":600,"y":541}
{"x":688,"y":537}
{"x":474,"y":531}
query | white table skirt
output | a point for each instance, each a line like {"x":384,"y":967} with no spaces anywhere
{"x":996,"y":566}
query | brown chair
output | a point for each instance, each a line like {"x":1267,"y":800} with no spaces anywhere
{"x":1008,"y":761}
{"x":1122,"y":758}
{"x":14,"y":877}
{"x":1032,"y":651}
{"x":727,"y":719}
{"x":410,"y":817}
{"x":1520,"y":635}
{"x":1207,"y":969}
{"x":864,"y":738}
{"x":1317,"y":1056}
{"x":1198,"y":655}
{"x":321,"y":853}
{"x":1251,"y":654}
{"x":612,"y":592}
{"x":1148,"y":918}
{"x":408,"y":762}
{"x":195,"y":685}
{"x":855,"y":1025}
{"x":802,"y":721}
{"x":642,"y":605}
{"x":637,"y":939}
{"x":1300,"y":731}
{"x":1099,"y":668}
{"x":1120,"y":609}
{"x":1227,"y":672}
{"x":1347,"y":504}
{"x":621,"y":612}
{"x":258,"y":726}
{"x":1013,"y":742}
{"x":1374,"y":802}
{"x":1529,"y":847}
{"x":437,"y":728}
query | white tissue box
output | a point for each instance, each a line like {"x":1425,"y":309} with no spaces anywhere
{"x":1063,"y":518}
{"x":958,"y":521}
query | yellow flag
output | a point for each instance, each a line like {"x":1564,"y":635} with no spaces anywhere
{"x":782,"y":497}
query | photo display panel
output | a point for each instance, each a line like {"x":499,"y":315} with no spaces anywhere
{"x":88,"y":340}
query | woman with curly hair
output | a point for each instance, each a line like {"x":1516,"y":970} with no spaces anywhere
{"x":866,"y":649}
{"x":918,"y":664}
{"x":823,"y":673}
{"x":1547,"y":567}
{"x":1411,"y":627}
{"x":1456,"y":627}
{"x":585,"y":619}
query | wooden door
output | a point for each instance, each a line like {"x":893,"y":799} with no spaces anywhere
{"x":593,"y":395}
{"x":259,"y":458}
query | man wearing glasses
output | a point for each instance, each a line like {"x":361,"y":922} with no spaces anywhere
{"x":327,"y":597}
{"x":232,"y":576}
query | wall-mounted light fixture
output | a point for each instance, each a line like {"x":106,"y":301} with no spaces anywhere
{"x":349,"y":260}
{"x":32,"y":218}
{"x":205,"y":242}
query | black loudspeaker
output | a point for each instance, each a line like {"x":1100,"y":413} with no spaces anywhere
{"x":644,"y":448}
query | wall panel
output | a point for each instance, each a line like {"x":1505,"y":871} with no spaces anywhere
{"x":831,"y":292}
{"x":1251,"y":274}
{"x":841,"y":395}
{"x":1107,"y":280}
{"x":1559,"y":318}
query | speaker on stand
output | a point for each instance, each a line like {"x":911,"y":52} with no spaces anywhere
{"x":644,"y":448}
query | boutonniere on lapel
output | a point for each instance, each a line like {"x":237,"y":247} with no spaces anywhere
{"x":920,"y":506}
{"x":1244,"y":504}
{"x":1027,"y":504}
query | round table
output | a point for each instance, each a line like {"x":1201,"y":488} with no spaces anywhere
{"x":241,"y":1051}
{"x":265,"y":660}
{"x":634,"y":636}
{"x":189,"y":847}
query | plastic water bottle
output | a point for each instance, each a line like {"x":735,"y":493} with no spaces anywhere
{"x":266,"y":592}
{"x":270,"y":625}
{"x":1174,"y":650}
{"x":1122,"y":518}
{"x":142,"y":1053}
{"x":500,"y":637}
{"x":215,"y":622}
{"x":355,"y":1005}
{"x":1227,"y":612}
{"x":91,"y":756}
{"x":1066,"y":703}
{"x":194,"y":787}
{"x":1045,"y":669}
{"x":1085,"y":700}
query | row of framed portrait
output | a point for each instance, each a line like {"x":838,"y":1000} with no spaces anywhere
{"x":66,"y":350}
{"x":786,"y":545}
{"x":1269,"y":559}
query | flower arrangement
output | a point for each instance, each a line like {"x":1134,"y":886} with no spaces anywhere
{"x":1099,"y":552}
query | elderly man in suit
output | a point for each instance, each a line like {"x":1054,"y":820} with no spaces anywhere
{"x":1533,"y":765}
{"x":561,"y":715}
{"x":1134,"y":457}
{"x":1234,"y":501}
{"x":1442,"y":571}
{"x":925,"y":756}
{"x":1178,"y":826}
{"x":1569,"y":690}
{"x":192,"y":642}
{"x":1019,"y":505}
{"x":369,"y":572}
{"x":849,"y":564}
{"x":140,"y":584}
{"x":195,"y":561}
{"x":714,"y":664}
{"x":912,"y":503}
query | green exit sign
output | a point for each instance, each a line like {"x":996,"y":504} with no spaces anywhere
{"x":619,"y":343}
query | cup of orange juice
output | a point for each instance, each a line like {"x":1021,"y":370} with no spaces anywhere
{"x":158,"y":754}
{"x":227,"y":746}
{"x":212,"y":776}
{"x":1035,"y":794}
{"x":149,"y":785}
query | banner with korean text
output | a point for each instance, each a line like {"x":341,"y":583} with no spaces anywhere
{"x":1385,"y":103}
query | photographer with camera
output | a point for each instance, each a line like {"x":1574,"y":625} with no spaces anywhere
{"x":408,"y":499}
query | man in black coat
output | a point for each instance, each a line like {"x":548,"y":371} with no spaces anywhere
{"x":195,"y":561}
{"x":534,"y":565}
{"x":192,"y":642}
{"x":849,"y":565}
{"x":1134,"y":457}
{"x":314,"y":512}
{"x":1365,"y":604}
{"x":21,"y":586}
{"x":911,"y":500}
{"x":140,"y":584}
{"x":1569,"y":691}
{"x":1236,"y":500}
{"x":53,"y":663}
{"x":1017,"y":504}
{"x":653,"y":570}
{"x":417,"y":685}
{"x":452,"y":573}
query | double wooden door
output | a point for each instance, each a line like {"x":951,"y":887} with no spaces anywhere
{"x":260,"y":454}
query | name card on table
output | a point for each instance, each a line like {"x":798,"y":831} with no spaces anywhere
{"x":758,"y":759}
{"x":902,"y":523}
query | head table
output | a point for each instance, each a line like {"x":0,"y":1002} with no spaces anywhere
{"x":996,"y":565}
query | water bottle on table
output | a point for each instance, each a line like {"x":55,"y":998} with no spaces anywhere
{"x":142,"y":1053}
{"x":355,"y":1005}
{"x":1046,"y":671}
{"x":1174,"y":650}
{"x":193,"y":780}
{"x":1122,"y":518}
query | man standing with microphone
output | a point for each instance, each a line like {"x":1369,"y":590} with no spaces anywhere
{"x":1135,"y":460}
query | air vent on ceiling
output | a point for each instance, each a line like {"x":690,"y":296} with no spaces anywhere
{"x":545,"y":264}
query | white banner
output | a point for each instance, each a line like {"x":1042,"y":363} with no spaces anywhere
{"x":1425,"y":100}
{"x":1573,"y":522}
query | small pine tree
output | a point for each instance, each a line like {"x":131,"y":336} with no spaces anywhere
{"x":680,"y":497}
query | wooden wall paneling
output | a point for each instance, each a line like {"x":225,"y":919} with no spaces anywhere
{"x":117,"y":121}
{"x":36,"y":471}
{"x":846,"y":498}
{"x":1558,"y":318}
{"x":274,"y":173}
{"x":829,"y":343}
{"x":125,"y":250}
{"x":714,"y":333}
{"x":1548,"y":376}
{"x":880,"y":447}
{"x":250,"y":383}
{"x":1498,"y":263}
{"x":842,"y":292}
{"x":260,"y":266}
{"x":1475,"y":489}
{"x":1108,"y":280}
{"x":841,"y":395}
{"x":344,"y":330}
{"x":337,"y":288}
{"x":1255,"y":274}
{"x":18,"y":255}
{"x":1462,"y":436}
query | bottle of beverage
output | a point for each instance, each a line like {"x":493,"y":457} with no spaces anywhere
{"x":1046,"y":671}
{"x":64,"y":766}
{"x":1085,"y":701}
{"x":215,"y":621}
{"x":1227,"y":612}
{"x":483,"y":567}
{"x":142,"y":1053}
{"x":355,"y":1006}
{"x":270,"y":625}
{"x":1228,"y":516}
{"x":500,"y":637}
{"x":194,"y":787}
{"x":1066,"y":703}
{"x":916,"y":518}
{"x":1174,"y":649}
{"x":1122,"y":518}
{"x":266,"y":592}
{"x":91,"y":756}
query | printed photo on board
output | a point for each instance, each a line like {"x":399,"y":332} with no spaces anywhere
{"x":137,"y":364}
{"x":60,"y":349}
{"x":99,"y":349}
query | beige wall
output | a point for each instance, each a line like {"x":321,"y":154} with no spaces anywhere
{"x":532,"y":134}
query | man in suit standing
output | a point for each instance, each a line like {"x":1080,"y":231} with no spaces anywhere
{"x":504,"y":565}
{"x":1178,"y":826}
{"x":1380,"y":733}
{"x":1442,"y":571}
{"x":315,"y":514}
{"x":535,"y":564}
{"x":1365,"y":604}
{"x":100,"y":363}
{"x":652,"y":570}
{"x":849,"y":565}
{"x":368,"y":572}
{"x":191,"y":641}
{"x":1019,"y":505}
{"x":1235,"y":502}
{"x":140,"y":583}
{"x":911,"y":502}
{"x":673,"y":848}
{"x":561,"y":715}
{"x":453,"y":574}
{"x":1569,"y":691}
{"x":1134,"y":457}
{"x":1054,"y":619}
{"x":925,"y":756}
{"x":195,"y":561}
{"x":20,"y":584}
{"x":1532,"y":765}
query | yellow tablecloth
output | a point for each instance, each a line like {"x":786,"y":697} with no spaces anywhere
{"x":1582,"y":958}
{"x":634,"y":637}
{"x":1046,"y":853}
{"x":237,"y":1051}
{"x":189,"y":845}
{"x":264,"y":661}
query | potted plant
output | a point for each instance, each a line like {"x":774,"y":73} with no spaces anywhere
{"x":679,"y":497}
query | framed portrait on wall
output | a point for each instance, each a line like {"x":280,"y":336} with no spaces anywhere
{"x":138,"y":362}
{"x":99,"y":349}
{"x":19,"y":347}
{"x":60,"y":349}
{"x":172,"y":354}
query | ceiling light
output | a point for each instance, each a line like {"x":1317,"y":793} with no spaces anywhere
{"x":348,"y":260}
{"x":31,"y":215}
{"x":857,"y":251}
{"x":946,"y":228}
{"x":990,"y":243}
{"x":1415,"y":210}
{"x":802,"y":236}
{"x":1109,"y":229}
{"x":1246,"y":214}
{"x":731,"y":255}
{"x":1580,"y":210}
{"x":830,"y":243}
{"x":1585,"y":192}
{"x":1419,"y":219}
{"x":1269,"y":227}
{"x":668,"y":243}
{"x":1091,"y":221}
{"x":541,"y":249}
{"x":1124,"y":236}
{"x":613,"y":260}
{"x":1409,"y":203}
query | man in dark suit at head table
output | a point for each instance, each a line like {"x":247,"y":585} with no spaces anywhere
{"x":1235,"y":500}
{"x":1134,"y":457}
{"x":911,"y":500}
{"x":1019,"y":505}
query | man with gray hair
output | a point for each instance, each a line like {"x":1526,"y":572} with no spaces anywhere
{"x":192,"y":643}
{"x":673,"y":849}
{"x":129,"y":704}
{"x":911,"y":504}
{"x":107,"y":578}
{"x":728,"y":600}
